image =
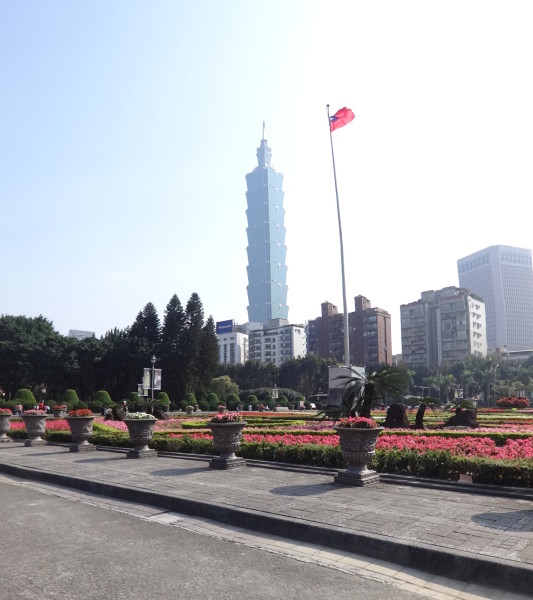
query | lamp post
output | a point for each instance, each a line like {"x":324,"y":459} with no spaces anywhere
{"x":153,"y":376}
{"x":494,"y":384}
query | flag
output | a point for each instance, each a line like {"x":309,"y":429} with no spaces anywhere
{"x":341,"y":118}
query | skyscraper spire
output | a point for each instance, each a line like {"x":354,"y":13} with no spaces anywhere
{"x":263,"y":152}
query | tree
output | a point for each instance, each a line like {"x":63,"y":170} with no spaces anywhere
{"x":308,"y":375}
{"x":223,"y":386}
{"x":362,"y":389}
{"x":209,"y":356}
{"x":30,"y":350}
{"x":192,"y":342}
{"x":122,"y":362}
{"x":171,"y":350}
{"x":148,"y":327}
{"x":253,"y":374}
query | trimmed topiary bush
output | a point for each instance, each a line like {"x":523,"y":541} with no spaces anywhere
{"x":162,"y":398}
{"x":25,"y":397}
{"x":282,"y":401}
{"x":212,"y":401}
{"x":103,"y":397}
{"x":70,"y":398}
{"x":203,"y":405}
{"x":232,"y":401}
{"x":252,"y":401}
{"x":190,"y":399}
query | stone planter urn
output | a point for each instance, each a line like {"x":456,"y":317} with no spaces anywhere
{"x":4,"y":427}
{"x":59,"y":413}
{"x":227,"y":438}
{"x":81,"y":429}
{"x":358,"y":446}
{"x":141,"y":434}
{"x":35,"y":427}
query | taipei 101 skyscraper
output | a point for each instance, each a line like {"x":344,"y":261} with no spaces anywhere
{"x":267,"y":271}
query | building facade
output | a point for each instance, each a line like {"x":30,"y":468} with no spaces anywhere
{"x":369,"y":335}
{"x":277,"y":342}
{"x":267,"y":271}
{"x":232,"y":343}
{"x":443,"y":327}
{"x":503,"y":277}
{"x":80,"y":335}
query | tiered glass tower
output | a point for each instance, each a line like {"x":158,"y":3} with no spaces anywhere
{"x":267,"y":272}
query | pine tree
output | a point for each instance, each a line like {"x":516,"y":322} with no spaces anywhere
{"x":152,"y":326}
{"x":147,"y":326}
{"x":192,"y":342}
{"x":172,"y":360}
{"x":209,"y":356}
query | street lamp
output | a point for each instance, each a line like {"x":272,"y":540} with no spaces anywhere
{"x":494,"y":383}
{"x":153,"y":376}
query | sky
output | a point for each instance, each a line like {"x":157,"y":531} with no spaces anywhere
{"x":127,"y":128}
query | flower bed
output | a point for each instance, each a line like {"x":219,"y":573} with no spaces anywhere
{"x":498,"y":455}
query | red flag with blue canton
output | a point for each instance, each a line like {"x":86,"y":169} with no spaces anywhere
{"x":341,"y":118}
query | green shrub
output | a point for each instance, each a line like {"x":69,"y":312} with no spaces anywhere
{"x":70,"y":398}
{"x":103,"y":397}
{"x":190,"y":399}
{"x":232,"y":401}
{"x":163,"y":399}
{"x":204,"y":405}
{"x":25,"y":397}
{"x":252,"y":401}
{"x":212,"y":400}
{"x":283,"y":401}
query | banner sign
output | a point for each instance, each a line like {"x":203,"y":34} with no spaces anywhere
{"x":157,"y":379}
{"x":146,"y":379}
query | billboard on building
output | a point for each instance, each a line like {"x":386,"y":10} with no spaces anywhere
{"x":337,"y":383}
{"x":224,"y":326}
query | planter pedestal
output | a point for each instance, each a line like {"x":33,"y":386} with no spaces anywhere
{"x":35,"y":426}
{"x":81,"y":429}
{"x":141,"y":434}
{"x":227,"y":438}
{"x":357,"y":448}
{"x":4,"y":428}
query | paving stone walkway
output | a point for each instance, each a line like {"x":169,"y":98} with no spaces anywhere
{"x":466,"y":535}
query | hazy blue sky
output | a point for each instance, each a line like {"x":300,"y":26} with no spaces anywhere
{"x":127,"y":128}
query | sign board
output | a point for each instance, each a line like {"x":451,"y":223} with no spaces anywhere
{"x":157,"y":379}
{"x":146,"y":378}
{"x":337,"y":383}
{"x":224,"y":326}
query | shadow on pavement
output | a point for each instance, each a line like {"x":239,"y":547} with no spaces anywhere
{"x":516,"y":521}
{"x":102,"y":459}
{"x":303,"y":490}
{"x":176,"y":472}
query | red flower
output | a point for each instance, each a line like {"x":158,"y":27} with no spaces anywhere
{"x":81,"y":412}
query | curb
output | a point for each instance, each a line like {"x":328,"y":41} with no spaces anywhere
{"x":487,"y":571}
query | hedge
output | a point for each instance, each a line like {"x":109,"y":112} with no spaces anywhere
{"x":431,"y":464}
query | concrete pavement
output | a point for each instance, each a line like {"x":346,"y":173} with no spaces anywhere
{"x":470,"y":533}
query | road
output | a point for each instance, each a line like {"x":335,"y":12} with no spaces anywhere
{"x":60,"y":544}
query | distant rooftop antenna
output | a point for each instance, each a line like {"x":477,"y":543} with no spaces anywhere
{"x":263,"y":130}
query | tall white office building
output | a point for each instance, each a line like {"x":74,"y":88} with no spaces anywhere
{"x":503,"y":277}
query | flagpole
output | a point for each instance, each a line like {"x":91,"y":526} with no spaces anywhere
{"x":346,"y":321}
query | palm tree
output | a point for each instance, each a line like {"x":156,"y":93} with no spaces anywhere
{"x":363,"y":388}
